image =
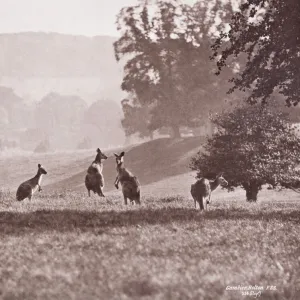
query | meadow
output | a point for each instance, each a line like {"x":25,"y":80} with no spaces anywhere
{"x":64,"y":245}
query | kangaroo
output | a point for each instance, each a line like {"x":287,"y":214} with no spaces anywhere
{"x":202,"y":189}
{"x":94,"y":180}
{"x":130,"y":184}
{"x":29,"y":187}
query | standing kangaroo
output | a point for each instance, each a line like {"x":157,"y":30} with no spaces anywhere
{"x":202,"y":189}
{"x":130,"y":184}
{"x":94,"y":180}
{"x":29,"y":187}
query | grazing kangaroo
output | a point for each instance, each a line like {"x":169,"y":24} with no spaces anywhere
{"x":29,"y":187}
{"x":202,"y":189}
{"x":131,"y":187}
{"x":94,"y":180}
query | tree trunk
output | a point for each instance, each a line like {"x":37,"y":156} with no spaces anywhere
{"x":252,"y":190}
{"x":176,"y":132}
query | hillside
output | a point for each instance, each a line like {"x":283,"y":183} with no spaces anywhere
{"x":34,"y":64}
{"x":151,"y":162}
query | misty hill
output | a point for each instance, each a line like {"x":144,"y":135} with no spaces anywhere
{"x":56,"y":55}
{"x":34,"y":64}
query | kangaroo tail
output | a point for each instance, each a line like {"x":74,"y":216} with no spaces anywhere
{"x":19,"y":197}
{"x":138,"y":196}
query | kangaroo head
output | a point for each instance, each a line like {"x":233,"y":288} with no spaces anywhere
{"x":221,"y":180}
{"x":119,"y":158}
{"x":41,"y":169}
{"x":100,"y":155}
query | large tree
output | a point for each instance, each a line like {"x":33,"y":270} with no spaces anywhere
{"x":253,"y":146}
{"x":13,"y":110}
{"x":136,"y":118}
{"x":59,"y":118}
{"x":267,"y":31}
{"x":167,"y":46}
{"x":102,"y":124}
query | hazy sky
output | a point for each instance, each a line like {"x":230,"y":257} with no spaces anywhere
{"x":86,"y":17}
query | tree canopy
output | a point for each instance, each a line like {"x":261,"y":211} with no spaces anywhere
{"x":166,"y":45}
{"x":253,"y":146}
{"x":136,"y":119}
{"x":102,"y":123}
{"x":267,"y":32}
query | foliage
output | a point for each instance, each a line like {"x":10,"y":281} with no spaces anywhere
{"x":4,"y":119}
{"x":56,"y":111}
{"x":43,"y":147}
{"x":267,"y":31}
{"x":276,"y":103}
{"x":102,"y":123}
{"x":86,"y":143}
{"x":253,"y":146}
{"x":13,"y":110}
{"x":136,"y":119}
{"x":7,"y":143}
{"x":167,"y":45}
{"x":59,"y":118}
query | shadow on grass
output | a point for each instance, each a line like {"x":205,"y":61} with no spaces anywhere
{"x":16,"y":223}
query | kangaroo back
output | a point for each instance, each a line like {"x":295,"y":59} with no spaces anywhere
{"x":95,"y":168}
{"x":94,"y":180}
{"x":131,"y":190}
{"x":23,"y":191}
{"x":29,"y":187}
{"x":199,"y":191}
{"x":131,"y":187}
{"x":201,"y":187}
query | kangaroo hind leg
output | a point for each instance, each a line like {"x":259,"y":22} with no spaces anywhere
{"x":138,"y":198}
{"x":201,"y":202}
{"x":100,"y":193}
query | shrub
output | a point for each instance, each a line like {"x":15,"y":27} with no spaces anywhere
{"x":43,"y":147}
{"x":253,"y":146}
{"x":86,"y":143}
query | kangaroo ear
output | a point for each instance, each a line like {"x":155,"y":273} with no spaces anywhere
{"x":116,"y":155}
{"x":122,"y":154}
{"x":98,"y":150}
{"x":39,"y":165}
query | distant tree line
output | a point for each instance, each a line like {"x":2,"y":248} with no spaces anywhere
{"x":58,"y":122}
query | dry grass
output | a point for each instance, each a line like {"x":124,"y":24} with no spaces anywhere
{"x":66,"y":246}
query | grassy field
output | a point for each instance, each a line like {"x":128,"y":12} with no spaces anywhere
{"x":64,"y":245}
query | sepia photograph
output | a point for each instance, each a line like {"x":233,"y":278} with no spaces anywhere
{"x":149,"y":149}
